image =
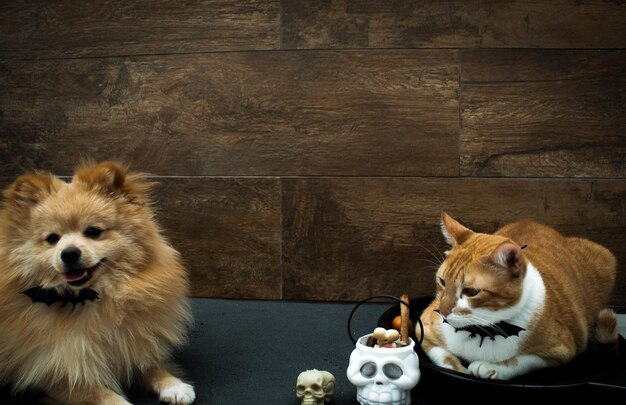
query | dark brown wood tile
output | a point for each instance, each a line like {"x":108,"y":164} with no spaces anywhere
{"x":530,"y":113}
{"x":348,"y":238}
{"x":226,"y":229}
{"x":453,"y":24}
{"x":366,"y":113}
{"x":69,"y":28}
{"x":228,"y":233}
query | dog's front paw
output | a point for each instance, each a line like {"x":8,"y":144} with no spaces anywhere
{"x":484,"y":369}
{"x":179,"y":393}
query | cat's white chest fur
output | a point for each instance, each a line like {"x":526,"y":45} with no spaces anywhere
{"x":474,"y":347}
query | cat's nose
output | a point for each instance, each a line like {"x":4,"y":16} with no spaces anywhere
{"x":70,"y":255}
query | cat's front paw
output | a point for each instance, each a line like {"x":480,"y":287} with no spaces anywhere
{"x":484,"y":369}
{"x":445,"y":359}
{"x":179,"y":393}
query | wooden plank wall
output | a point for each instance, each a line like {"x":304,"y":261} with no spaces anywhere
{"x":305,"y":149}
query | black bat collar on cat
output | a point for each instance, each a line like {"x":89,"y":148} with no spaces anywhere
{"x":50,"y":295}
{"x":501,"y":328}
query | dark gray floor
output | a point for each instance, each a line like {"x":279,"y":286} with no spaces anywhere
{"x":251,"y":352}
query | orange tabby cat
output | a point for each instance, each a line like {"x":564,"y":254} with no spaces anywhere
{"x":521,"y":299}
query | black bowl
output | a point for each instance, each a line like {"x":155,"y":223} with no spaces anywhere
{"x":587,"y":373}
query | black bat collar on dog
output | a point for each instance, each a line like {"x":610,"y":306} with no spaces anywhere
{"x":50,"y":295}
{"x":501,"y":328}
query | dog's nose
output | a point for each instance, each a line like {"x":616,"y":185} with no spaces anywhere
{"x":70,"y":255}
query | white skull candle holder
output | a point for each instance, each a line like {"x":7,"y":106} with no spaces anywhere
{"x":314,"y":387}
{"x":383,"y":375}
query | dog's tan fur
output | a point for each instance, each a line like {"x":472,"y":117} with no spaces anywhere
{"x":89,"y":354}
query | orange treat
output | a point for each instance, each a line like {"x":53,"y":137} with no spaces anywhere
{"x":397,"y":323}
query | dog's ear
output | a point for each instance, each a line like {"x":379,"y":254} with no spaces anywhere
{"x":31,"y":188}
{"x":106,"y":176}
{"x":112,"y":178}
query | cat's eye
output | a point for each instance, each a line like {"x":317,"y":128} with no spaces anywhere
{"x":53,"y":238}
{"x":470,"y":292}
{"x":441,"y":281}
{"x":93,"y":232}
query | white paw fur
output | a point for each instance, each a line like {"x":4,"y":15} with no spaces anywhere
{"x":179,"y":393}
{"x":484,"y":369}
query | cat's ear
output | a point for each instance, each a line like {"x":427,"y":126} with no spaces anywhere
{"x":508,"y":256}
{"x":453,"y":231}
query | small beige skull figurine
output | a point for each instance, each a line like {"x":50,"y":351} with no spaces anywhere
{"x":314,"y":387}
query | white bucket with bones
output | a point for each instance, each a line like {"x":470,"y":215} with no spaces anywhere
{"x":384,"y":366}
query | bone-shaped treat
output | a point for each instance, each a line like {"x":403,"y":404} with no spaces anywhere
{"x":386,"y":338}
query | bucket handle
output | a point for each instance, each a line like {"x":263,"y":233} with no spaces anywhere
{"x":391,"y":297}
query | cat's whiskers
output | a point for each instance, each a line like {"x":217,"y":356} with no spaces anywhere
{"x":486,"y":323}
{"x":432,"y":264}
{"x":440,"y":256}
{"x":438,"y":259}
{"x":493,"y":327}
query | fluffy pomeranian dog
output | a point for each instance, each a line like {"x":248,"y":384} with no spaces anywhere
{"x":93,"y":299}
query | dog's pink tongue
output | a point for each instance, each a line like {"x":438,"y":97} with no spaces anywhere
{"x":75,"y":276}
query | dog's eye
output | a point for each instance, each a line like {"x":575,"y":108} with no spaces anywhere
{"x":53,"y":238}
{"x":93,"y":232}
